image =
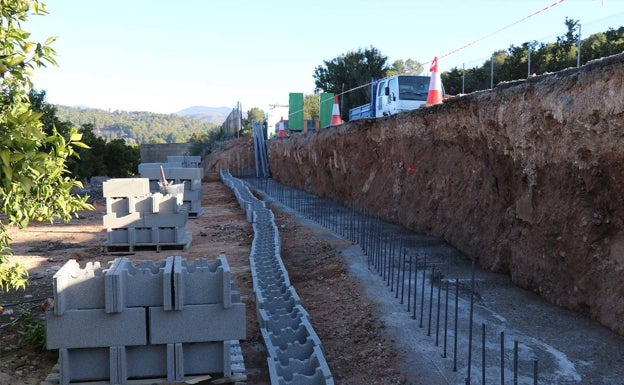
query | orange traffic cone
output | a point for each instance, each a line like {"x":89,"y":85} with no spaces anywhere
{"x":280,"y":128}
{"x":335,"y":113}
{"x":435,"y":85}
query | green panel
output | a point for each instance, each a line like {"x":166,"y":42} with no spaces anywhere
{"x":326,"y":107}
{"x":295,"y":111}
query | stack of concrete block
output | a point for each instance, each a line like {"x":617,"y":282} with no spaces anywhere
{"x":122,"y":322}
{"x":137,"y":219}
{"x":294,"y":349}
{"x":178,"y":170}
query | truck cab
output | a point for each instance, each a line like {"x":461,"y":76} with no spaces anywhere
{"x":400,"y":93}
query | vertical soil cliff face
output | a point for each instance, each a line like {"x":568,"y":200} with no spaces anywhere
{"x":526,"y":179}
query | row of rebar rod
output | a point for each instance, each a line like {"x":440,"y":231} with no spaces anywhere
{"x":404,"y":272}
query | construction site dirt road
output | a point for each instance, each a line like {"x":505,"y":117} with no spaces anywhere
{"x":355,"y":344}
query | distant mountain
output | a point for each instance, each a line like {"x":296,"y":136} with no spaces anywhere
{"x":136,"y":126}
{"x":214,"y":115}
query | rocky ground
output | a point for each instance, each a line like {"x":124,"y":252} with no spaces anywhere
{"x":354,"y":341}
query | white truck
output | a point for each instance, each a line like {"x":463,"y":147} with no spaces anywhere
{"x":392,"y":95}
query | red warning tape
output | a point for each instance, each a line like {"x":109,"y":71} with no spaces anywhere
{"x":502,"y":29}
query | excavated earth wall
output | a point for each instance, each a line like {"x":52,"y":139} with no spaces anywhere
{"x":527,"y":179}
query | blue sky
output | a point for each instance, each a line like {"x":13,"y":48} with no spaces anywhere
{"x":163,"y":56}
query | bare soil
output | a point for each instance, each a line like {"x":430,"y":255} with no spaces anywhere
{"x":353,"y":338}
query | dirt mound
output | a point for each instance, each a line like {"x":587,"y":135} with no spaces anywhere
{"x":525,"y":178}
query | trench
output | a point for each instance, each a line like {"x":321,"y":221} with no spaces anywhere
{"x":453,"y":322}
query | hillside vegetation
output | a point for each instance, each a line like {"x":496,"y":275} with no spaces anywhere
{"x":135,"y":126}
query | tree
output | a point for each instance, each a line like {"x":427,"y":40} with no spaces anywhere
{"x":311,"y":107}
{"x":253,"y":115}
{"x":405,"y":67}
{"x":121,"y":159}
{"x":89,"y":162}
{"x":564,"y":51}
{"x":34,"y":184}
{"x":348,"y":71}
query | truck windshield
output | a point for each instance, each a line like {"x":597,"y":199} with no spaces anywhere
{"x":413,"y":87}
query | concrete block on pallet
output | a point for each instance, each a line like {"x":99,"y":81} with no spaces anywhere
{"x":202,"y":282}
{"x":144,"y":235}
{"x":204,"y":357}
{"x":183,"y":173}
{"x":165,"y":203}
{"x":117,"y":237}
{"x":154,"y":185}
{"x":192,"y":206}
{"x":92,"y":328}
{"x":90,"y":364}
{"x":193,"y":186}
{"x":192,"y":195}
{"x":165,"y":219}
{"x":117,"y":359}
{"x":138,"y":285}
{"x":125,"y":187}
{"x":78,"y":288}
{"x":166,"y":235}
{"x":197,"y":323}
{"x":150,"y":171}
{"x":117,"y":205}
{"x":140,"y":204}
{"x":148,"y":361}
{"x":146,"y":166}
{"x":123,"y":220}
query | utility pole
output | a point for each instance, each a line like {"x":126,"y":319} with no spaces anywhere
{"x":578,"y":54}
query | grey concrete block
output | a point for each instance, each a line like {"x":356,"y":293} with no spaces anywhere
{"x":318,"y":378}
{"x":117,"y":205}
{"x":83,"y":365}
{"x":138,"y":285}
{"x":282,"y":337}
{"x":197,"y":323}
{"x":148,"y":361}
{"x":185,"y":173}
{"x":92,"y":328}
{"x":270,"y":299}
{"x":123,"y":220}
{"x":117,"y":236}
{"x":150,"y":171}
{"x":192,"y":206}
{"x":144,"y":235}
{"x":202,"y":282}
{"x":165,"y":219}
{"x":78,"y":288}
{"x":141,"y":204}
{"x":125,"y":187}
{"x":117,"y":360}
{"x":165,"y":203}
{"x":205,"y":357}
{"x":278,"y":321}
{"x":175,"y":362}
{"x":192,"y":191}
